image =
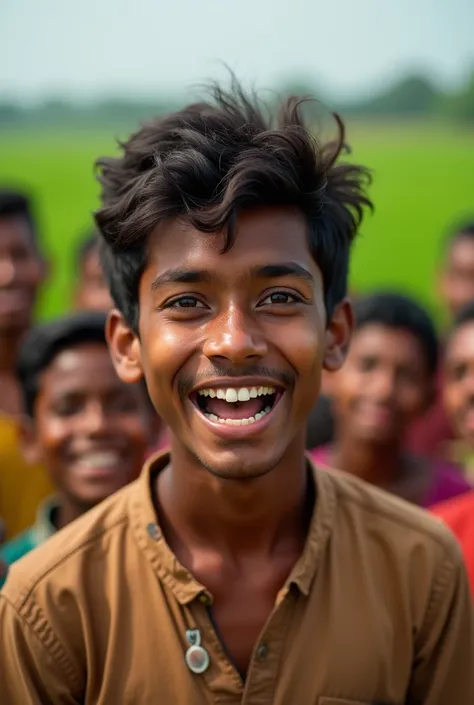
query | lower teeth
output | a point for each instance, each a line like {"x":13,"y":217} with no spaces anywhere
{"x":239,"y":422}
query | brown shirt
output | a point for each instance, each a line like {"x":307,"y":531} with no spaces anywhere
{"x":376,"y":610}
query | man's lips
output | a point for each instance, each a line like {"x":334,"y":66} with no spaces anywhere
{"x":236,"y":404}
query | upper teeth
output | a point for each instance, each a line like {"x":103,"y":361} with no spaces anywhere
{"x":100,"y":459}
{"x":234,"y":394}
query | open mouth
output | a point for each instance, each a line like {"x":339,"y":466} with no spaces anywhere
{"x":237,"y":406}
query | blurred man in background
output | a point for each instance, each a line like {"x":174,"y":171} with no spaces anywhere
{"x":92,"y":292}
{"x":430,"y":435}
{"x":387,"y":381}
{"x":91,"y":430}
{"x":458,"y":396}
{"x":22,"y":270}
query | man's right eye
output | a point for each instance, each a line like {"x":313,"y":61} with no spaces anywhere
{"x":185,"y":302}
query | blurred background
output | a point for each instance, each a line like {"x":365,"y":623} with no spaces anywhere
{"x":75,"y":77}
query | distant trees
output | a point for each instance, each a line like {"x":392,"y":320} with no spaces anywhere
{"x":414,"y":95}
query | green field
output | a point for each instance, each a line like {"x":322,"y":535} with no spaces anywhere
{"x":423,"y":179}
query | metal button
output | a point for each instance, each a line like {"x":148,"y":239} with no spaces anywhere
{"x":205,"y":599}
{"x":197,"y":659}
{"x":262,"y":652}
{"x":153,"y":531}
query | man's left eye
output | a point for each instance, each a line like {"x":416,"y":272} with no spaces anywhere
{"x":280,"y":297}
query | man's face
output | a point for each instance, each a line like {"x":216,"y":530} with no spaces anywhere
{"x":458,"y":382}
{"x":93,"y":293}
{"x":21,"y":272}
{"x":383,"y":385}
{"x":90,"y":428}
{"x":232,"y":345}
{"x":457,"y":278}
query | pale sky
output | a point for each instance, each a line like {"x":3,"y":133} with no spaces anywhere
{"x":91,"y":48}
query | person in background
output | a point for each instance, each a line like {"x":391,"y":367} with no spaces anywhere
{"x":22,"y":271}
{"x":89,"y":429}
{"x":458,"y":397}
{"x":432,"y":433}
{"x":92,"y":291}
{"x":203,"y":581}
{"x":387,"y":381}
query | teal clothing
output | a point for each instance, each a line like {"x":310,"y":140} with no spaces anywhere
{"x":37,"y":534}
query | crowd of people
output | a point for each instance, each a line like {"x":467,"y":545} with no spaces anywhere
{"x":78,"y":423}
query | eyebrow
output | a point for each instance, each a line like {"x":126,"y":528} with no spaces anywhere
{"x":181,"y":276}
{"x":198,"y":276}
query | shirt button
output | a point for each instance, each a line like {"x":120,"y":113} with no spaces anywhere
{"x":205,"y":599}
{"x":262,"y":652}
{"x":153,"y":531}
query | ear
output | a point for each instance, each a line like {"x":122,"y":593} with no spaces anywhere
{"x":338,"y":334}
{"x":29,"y":446}
{"x":124,"y":347}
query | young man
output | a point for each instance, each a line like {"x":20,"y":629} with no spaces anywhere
{"x":92,"y":292}
{"x":432,"y":434}
{"x":458,"y":394}
{"x":233,"y":571}
{"x":22,"y":270}
{"x":89,"y":429}
{"x":388,"y":380}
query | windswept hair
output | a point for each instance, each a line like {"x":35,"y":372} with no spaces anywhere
{"x":212,"y":160}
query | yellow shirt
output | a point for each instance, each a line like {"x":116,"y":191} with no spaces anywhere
{"x":22,"y":486}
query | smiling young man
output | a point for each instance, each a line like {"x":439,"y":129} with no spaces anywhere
{"x":233,"y":571}
{"x":89,"y":429}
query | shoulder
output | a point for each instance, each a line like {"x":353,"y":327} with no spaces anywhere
{"x":66,"y":557}
{"x":387,"y":521}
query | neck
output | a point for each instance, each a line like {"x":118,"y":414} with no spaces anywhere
{"x":68,"y":511}
{"x":198,"y":509}
{"x":377,"y":463}
{"x":9,"y":344}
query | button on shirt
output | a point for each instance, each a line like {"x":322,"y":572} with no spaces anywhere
{"x":376,"y":610}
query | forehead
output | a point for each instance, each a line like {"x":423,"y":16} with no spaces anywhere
{"x":385,"y":341}
{"x":461,"y":251}
{"x":84,"y":366}
{"x":461,"y":343}
{"x":15,"y":230}
{"x":262,"y":236}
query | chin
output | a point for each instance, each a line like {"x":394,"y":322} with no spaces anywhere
{"x":234,"y":465}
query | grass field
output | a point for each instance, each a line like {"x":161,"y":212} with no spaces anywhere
{"x":423,"y":180}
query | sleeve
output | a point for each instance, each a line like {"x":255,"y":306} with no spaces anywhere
{"x":443,"y":670}
{"x":30,"y":673}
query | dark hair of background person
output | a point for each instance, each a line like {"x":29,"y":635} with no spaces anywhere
{"x":211,"y":161}
{"x":14,"y":204}
{"x":44,"y":342}
{"x":462,"y":229}
{"x":87,"y":245}
{"x":465,"y":315}
{"x":399,"y":312}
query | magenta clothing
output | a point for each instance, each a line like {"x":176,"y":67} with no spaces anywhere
{"x":447,"y":480}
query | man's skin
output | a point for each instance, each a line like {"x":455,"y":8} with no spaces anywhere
{"x":21,"y":272}
{"x":235,"y":503}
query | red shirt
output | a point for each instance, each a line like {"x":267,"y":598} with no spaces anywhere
{"x":458,"y":514}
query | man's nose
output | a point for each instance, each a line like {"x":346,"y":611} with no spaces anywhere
{"x":236,"y":338}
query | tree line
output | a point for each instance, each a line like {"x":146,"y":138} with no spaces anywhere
{"x":414,"y":95}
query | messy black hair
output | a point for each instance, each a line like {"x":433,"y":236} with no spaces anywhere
{"x":397,"y":311}
{"x":44,"y":342}
{"x":14,"y":204}
{"x":211,"y":161}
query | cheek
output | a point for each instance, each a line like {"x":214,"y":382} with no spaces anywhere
{"x":412,"y":400}
{"x":164,"y":351}
{"x":302,"y":345}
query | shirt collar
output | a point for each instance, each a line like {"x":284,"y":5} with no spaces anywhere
{"x":149,"y":537}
